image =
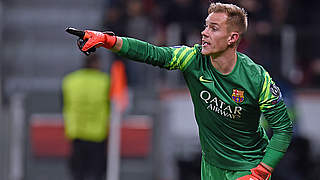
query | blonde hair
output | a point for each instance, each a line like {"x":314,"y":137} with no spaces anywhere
{"x":237,"y":17}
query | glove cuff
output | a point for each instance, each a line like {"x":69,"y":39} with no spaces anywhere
{"x":110,"y":41}
{"x":261,"y":172}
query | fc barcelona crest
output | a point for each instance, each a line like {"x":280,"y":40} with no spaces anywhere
{"x":237,"y":96}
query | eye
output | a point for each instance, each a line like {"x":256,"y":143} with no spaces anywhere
{"x":214,"y":28}
{"x":211,"y":27}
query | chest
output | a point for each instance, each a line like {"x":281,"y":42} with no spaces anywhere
{"x":227,"y":92}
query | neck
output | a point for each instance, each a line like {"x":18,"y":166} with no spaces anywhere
{"x":225,"y":61}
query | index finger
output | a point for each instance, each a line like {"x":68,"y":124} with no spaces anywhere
{"x":76,"y":32}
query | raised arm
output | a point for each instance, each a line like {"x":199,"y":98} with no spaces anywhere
{"x":164,"y":57}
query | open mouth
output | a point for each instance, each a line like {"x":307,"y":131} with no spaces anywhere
{"x":205,"y":43}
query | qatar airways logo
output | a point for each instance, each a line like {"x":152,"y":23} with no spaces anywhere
{"x":218,"y":106}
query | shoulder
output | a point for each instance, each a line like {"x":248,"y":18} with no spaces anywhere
{"x":70,"y":78}
{"x":184,"y":56}
{"x":197,"y":60}
{"x":96,"y":75}
{"x":104,"y":75}
{"x":85,"y":73}
{"x":197,"y":48}
{"x":196,"y":56}
{"x":72,"y":75}
{"x":254,"y":69}
{"x":255,"y":72}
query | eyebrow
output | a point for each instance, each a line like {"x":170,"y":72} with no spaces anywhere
{"x":212,"y":23}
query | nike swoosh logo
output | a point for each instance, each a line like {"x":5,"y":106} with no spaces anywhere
{"x":205,"y":80}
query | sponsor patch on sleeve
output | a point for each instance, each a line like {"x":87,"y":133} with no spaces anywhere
{"x":275,"y":91}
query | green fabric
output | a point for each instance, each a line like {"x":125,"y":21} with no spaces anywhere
{"x":86,"y":105}
{"x":144,"y":52}
{"x":272,"y":106}
{"x":211,"y":172}
{"x":227,"y":107}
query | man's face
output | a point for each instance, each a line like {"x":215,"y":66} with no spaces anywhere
{"x":215,"y":35}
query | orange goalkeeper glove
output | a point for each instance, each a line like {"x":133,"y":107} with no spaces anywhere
{"x":90,"y":40}
{"x":257,"y":173}
{"x":98,"y":39}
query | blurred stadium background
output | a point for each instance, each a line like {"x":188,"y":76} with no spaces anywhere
{"x":159,"y":134}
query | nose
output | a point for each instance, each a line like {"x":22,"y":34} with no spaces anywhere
{"x":204,"y":32}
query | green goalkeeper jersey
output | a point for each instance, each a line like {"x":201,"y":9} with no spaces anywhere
{"x":227,"y":107}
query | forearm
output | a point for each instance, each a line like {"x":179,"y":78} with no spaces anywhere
{"x":277,"y":148}
{"x":117,"y":47}
{"x":280,"y":141}
{"x":142,"y":51}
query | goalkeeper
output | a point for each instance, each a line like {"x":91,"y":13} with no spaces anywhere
{"x":229,"y":93}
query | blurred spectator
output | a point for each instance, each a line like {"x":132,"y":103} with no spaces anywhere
{"x":315,"y":72}
{"x":138,"y":24}
{"x":129,"y":17}
{"x":263,"y":38}
{"x":182,"y":21}
{"x":113,"y":19}
{"x":86,"y":116}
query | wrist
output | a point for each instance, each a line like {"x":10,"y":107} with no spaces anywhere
{"x":110,"y":41}
{"x":267,"y":167}
{"x":260,"y":172}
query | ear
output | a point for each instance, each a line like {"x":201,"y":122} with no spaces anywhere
{"x":233,"y":38}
